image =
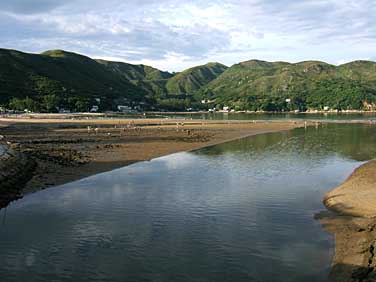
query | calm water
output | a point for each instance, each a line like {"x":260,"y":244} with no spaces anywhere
{"x":240,"y":211}
{"x":261,"y":116}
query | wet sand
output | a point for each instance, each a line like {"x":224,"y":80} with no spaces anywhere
{"x":357,"y":195}
{"x":352,"y":220}
{"x":65,"y":150}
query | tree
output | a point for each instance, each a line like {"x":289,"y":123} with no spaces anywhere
{"x":31,"y":105}
{"x":17,"y":104}
{"x":82,"y":105}
{"x":24,"y":104}
{"x":50,"y":103}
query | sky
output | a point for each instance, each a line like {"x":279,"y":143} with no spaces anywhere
{"x":175,"y":35}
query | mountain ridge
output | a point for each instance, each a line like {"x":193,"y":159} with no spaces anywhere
{"x":76,"y":81}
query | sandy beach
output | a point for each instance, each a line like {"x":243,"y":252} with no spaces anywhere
{"x":65,"y":150}
{"x":353,"y":223}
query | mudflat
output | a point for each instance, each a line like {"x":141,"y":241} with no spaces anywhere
{"x":69,"y":149}
{"x":65,"y":150}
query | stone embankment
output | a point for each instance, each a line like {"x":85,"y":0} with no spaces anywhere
{"x":15,"y":171}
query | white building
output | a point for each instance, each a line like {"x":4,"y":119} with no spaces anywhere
{"x":124,"y":108}
{"x":94,"y":109}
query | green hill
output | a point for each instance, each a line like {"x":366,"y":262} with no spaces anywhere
{"x":65,"y":75}
{"x":151,"y":80}
{"x":191,"y":80}
{"x":136,"y":72}
{"x":164,"y":84}
{"x":60,"y":79}
{"x":259,"y":85}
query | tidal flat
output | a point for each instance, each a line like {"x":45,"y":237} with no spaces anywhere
{"x":221,"y":212}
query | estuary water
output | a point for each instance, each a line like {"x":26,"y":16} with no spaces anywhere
{"x":260,"y":116}
{"x":239,"y":211}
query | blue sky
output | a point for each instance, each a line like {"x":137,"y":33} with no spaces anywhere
{"x":174,"y":35}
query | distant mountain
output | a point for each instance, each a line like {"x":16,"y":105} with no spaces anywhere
{"x":264,"y":85}
{"x":163,"y":84}
{"x":149,"y":79}
{"x":135,"y":72}
{"x":60,"y":79}
{"x":191,"y":80}
{"x":58,"y":72}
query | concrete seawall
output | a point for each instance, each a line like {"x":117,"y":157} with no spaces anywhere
{"x":15,"y":170}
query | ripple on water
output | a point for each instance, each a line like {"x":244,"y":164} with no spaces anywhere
{"x":240,"y":211}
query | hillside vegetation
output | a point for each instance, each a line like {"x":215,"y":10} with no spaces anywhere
{"x":58,"y":75}
{"x":148,"y":79}
{"x":259,"y":85}
{"x":58,"y":79}
{"x":191,"y":80}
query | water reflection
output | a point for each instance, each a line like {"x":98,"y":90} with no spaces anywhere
{"x":240,"y":211}
{"x":350,"y":141}
{"x":273,"y":116}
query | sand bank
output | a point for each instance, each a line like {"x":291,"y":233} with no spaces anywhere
{"x":353,"y":224}
{"x":357,"y":195}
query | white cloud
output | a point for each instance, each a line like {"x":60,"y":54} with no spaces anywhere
{"x":178,"y":34}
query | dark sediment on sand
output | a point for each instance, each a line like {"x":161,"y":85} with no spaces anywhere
{"x":48,"y":153}
{"x":15,"y":170}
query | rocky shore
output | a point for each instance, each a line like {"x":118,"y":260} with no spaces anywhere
{"x":15,"y":170}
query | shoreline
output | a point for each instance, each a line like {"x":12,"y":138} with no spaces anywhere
{"x":351,"y":218}
{"x":66,"y":150}
{"x":159,"y":113}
